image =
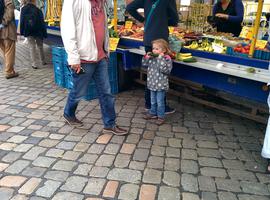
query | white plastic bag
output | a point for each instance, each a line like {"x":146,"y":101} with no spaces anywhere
{"x":266,"y":143}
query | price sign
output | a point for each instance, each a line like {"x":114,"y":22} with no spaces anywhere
{"x":128,"y":25}
{"x":247,"y":32}
{"x":261,"y":44}
{"x":113,"y":43}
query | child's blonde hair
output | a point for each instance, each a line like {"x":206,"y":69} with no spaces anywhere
{"x":163,"y":44}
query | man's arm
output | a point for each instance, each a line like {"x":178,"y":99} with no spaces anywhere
{"x":9,"y":12}
{"x":133,"y":7}
{"x":68,"y":32}
{"x":172,"y":13}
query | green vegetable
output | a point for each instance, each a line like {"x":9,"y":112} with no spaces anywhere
{"x":190,"y":60}
{"x":250,"y":70}
{"x":153,"y":54}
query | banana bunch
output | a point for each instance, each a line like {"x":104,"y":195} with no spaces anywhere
{"x":193,"y":45}
{"x":218,"y":46}
{"x":185,"y":57}
{"x":206,"y":46}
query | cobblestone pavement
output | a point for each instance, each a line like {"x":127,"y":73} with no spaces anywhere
{"x":200,"y":153}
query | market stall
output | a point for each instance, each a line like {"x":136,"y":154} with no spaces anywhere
{"x":216,"y":70}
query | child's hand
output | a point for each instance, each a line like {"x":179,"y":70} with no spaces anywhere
{"x":161,"y":54}
{"x":167,"y":57}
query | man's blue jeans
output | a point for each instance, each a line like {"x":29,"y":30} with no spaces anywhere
{"x":157,"y":103}
{"x":99,"y":73}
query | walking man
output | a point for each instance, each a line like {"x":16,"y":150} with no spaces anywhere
{"x":86,"y":39}
{"x":8,"y":37}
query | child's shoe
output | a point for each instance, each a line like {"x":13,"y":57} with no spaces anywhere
{"x":160,"y":121}
{"x":149,"y":116}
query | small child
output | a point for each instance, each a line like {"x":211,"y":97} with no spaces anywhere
{"x":159,"y":65}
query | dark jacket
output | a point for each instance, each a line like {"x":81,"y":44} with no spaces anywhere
{"x":164,"y":15}
{"x":235,"y":10}
{"x":40,"y":29}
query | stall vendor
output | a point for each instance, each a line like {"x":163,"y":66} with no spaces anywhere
{"x":229,"y":16}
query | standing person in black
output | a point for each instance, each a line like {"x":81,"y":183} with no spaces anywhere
{"x":32,"y":26}
{"x":158,"y":15}
{"x":229,"y":16}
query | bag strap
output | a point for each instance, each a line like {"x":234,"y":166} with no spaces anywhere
{"x":150,"y":14}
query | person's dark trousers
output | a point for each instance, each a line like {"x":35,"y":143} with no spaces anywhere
{"x":147,"y":92}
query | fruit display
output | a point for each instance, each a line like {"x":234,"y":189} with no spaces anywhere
{"x":186,"y":57}
{"x":136,"y":32}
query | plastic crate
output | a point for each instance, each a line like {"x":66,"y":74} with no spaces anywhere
{"x":59,"y":79}
{"x":68,"y":81}
{"x":230,"y":51}
{"x":59,"y":54}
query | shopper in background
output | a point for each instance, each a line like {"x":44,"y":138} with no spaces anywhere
{"x":159,"y":66}
{"x":8,"y":37}
{"x":32,"y":26}
{"x":86,"y":39}
{"x":158,"y":15}
{"x":229,"y":16}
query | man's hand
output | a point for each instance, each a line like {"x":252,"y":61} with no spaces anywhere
{"x":221,"y":15}
{"x":76,"y":68}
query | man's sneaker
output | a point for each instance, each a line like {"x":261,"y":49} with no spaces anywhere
{"x":73,"y":121}
{"x":160,"y":121}
{"x":14,"y":75}
{"x":149,"y":116}
{"x":116,"y":130}
{"x":169,"y":110}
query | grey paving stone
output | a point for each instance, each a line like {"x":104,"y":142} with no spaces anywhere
{"x":118,"y":139}
{"x":228,"y":153}
{"x":172,"y":164}
{"x":233,"y":164}
{"x":37,"y":198}
{"x":226,"y":196}
{"x":190,"y":196}
{"x":96,"y":148}
{"x":209,"y":162}
{"x":48,"y":189}
{"x":32,"y":140}
{"x":133,"y":139}
{"x":208,"y":153}
{"x":99,"y":172}
{"x":127,"y":175}
{"x":105,"y":160}
{"x":157,"y":150}
{"x":33,"y":153}
{"x":171,"y":178}
{"x":63,"y":165}
{"x":34,"y":171}
{"x":94,"y":186}
{"x":57,"y":175}
{"x":57,"y":153}
{"x":254,"y":188}
{"x":207,"y":184}
{"x":189,"y":166}
{"x":19,"y":197}
{"x":17,"y":167}
{"x":214,"y":172}
{"x":228,"y":185}
{"x":23,"y":147}
{"x":67,"y":195}
{"x":242,"y":175}
{"x":6,"y":193}
{"x":207,"y":144}
{"x":160,"y":141}
{"x":145,"y":144}
{"x":11,"y":157}
{"x":152,"y":176}
{"x":263,"y":178}
{"x":122,"y":161}
{"x":89,"y":158}
{"x":112,"y":149}
{"x":66,"y":145}
{"x":83,"y":169}
{"x":189,"y":183}
{"x":189,"y":144}
{"x":155,"y":162}
{"x":74,"y":184}
{"x":177,"y":143}
{"x":71,"y":155}
{"x":189,"y":154}
{"x":209,"y":196}
{"x":168,"y":193}
{"x":129,"y":192}
{"x":42,"y":161}
{"x":252,"y":197}
{"x":137,"y":165}
{"x":141,"y":154}
{"x":172,"y":152}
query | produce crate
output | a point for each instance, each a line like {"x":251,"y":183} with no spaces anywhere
{"x":230,"y":51}
{"x":259,"y":54}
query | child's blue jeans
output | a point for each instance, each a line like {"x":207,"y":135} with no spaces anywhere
{"x":157,"y":103}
